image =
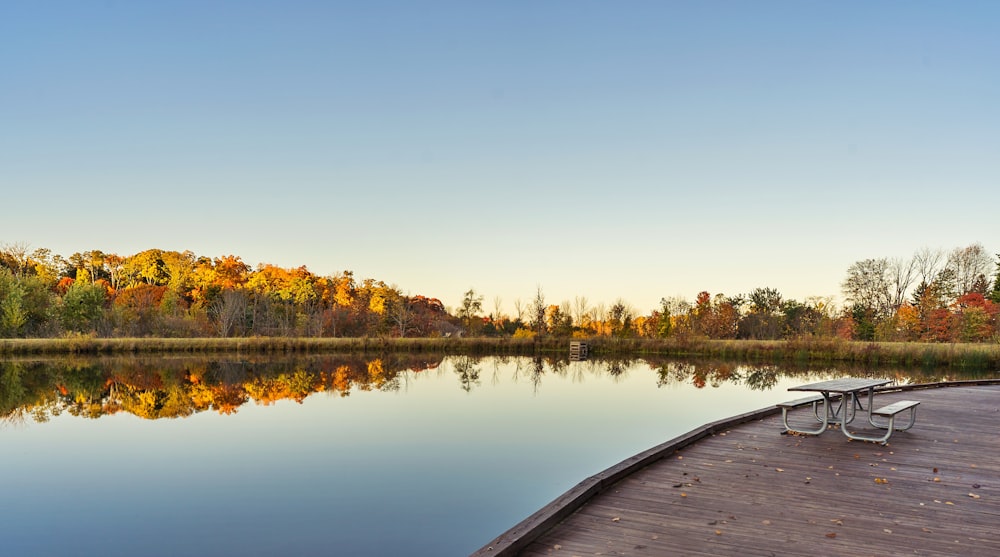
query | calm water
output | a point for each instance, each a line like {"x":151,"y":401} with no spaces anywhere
{"x":335,"y":456}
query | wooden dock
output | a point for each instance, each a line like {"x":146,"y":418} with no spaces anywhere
{"x":742,"y":487}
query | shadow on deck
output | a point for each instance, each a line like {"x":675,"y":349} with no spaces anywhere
{"x":742,"y":487}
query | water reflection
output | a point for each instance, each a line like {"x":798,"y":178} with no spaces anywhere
{"x":315,"y":456}
{"x":155,"y":388}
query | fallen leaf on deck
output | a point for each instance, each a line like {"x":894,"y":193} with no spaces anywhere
{"x":886,"y":530}
{"x":974,"y":496}
{"x":557,"y":547}
{"x":779,"y":470}
{"x":766,"y":522}
{"x":832,"y":535}
{"x":718,"y":532}
{"x":616,"y":519}
{"x":837,"y":521}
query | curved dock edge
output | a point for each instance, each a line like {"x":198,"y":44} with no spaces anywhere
{"x":528,"y":530}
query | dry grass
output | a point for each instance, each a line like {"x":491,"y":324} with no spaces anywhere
{"x":803,"y":351}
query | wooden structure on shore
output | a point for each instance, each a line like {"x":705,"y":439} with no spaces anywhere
{"x":578,"y":350}
{"x":742,"y":487}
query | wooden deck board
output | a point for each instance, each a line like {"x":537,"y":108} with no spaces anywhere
{"x":751,"y":490}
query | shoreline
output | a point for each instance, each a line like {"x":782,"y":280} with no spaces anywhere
{"x":800,"y":351}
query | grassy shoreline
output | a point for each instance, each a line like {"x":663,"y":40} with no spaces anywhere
{"x":807,"y":351}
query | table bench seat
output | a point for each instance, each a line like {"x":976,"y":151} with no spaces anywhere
{"x":814,"y":400}
{"x":890,"y":411}
{"x":801,"y":402}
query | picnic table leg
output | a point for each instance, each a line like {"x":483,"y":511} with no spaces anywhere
{"x":871,"y":406}
{"x":840,"y":413}
{"x":883,"y":439}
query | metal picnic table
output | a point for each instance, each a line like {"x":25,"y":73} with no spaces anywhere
{"x":849,"y":402}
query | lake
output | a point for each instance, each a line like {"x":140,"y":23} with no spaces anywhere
{"x":333,"y":455}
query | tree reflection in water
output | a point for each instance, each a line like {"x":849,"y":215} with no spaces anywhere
{"x":155,"y":388}
{"x":468,"y":373}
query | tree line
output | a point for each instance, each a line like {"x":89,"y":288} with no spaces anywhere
{"x":934,"y":296}
{"x":178,"y":294}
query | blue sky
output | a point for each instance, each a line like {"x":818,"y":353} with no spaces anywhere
{"x":598,"y":149}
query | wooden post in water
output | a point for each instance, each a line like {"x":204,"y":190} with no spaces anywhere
{"x":577,"y":350}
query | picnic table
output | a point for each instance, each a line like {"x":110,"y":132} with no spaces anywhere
{"x":844,"y":409}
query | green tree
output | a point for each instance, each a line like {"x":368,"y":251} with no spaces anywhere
{"x":664,"y":325}
{"x":82,"y":307}
{"x":764,"y":318}
{"x":13,"y":316}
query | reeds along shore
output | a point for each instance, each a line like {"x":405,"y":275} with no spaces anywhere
{"x":805,"y":351}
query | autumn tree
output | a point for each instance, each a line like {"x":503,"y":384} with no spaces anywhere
{"x":46,"y":265}
{"x":399,"y":311}
{"x":701,"y":313}
{"x":537,"y":311}
{"x":620,"y":318}
{"x":14,"y":256}
{"x":976,"y":317}
{"x":139,"y":310}
{"x":145,"y":267}
{"x":581,"y":309}
{"x":472,"y":305}
{"x":558,"y":320}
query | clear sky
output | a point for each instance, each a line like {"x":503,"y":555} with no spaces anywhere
{"x":593,"y":148}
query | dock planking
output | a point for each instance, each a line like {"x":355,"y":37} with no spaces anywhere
{"x":749,"y":489}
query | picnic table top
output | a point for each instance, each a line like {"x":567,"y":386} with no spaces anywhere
{"x":844,"y":385}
